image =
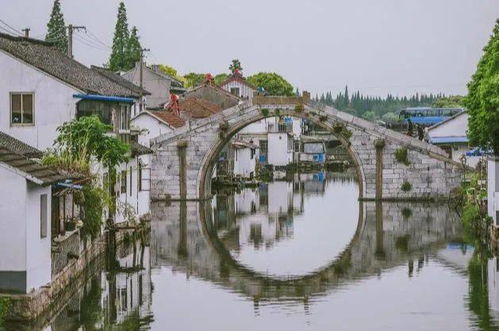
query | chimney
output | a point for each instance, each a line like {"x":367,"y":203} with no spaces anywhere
{"x":306,"y":97}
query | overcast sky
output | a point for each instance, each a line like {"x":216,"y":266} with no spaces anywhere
{"x":376,"y":46}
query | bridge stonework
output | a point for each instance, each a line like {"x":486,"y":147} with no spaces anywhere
{"x":183,"y":161}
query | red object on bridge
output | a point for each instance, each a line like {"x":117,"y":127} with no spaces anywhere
{"x":173,"y":105}
{"x":209,"y":79}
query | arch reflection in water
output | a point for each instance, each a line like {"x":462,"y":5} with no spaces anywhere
{"x":284,"y":229}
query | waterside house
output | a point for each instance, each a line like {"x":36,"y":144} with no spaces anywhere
{"x":450,"y":135}
{"x":26,"y":216}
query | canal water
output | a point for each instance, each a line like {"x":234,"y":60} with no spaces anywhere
{"x":300,"y":253}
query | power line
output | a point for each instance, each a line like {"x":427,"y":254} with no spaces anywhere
{"x":84,"y":42}
{"x":94,"y":37}
{"x":10,"y":27}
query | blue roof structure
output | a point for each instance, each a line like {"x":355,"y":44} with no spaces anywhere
{"x":426,"y":120}
{"x":448,"y":140}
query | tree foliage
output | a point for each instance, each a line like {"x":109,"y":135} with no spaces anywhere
{"x":172,"y":72}
{"x":133,"y":49}
{"x":452,"y":101}
{"x":193,"y":79}
{"x":375,"y":107}
{"x":118,"y":60}
{"x":87,"y":137}
{"x":482,"y":100}
{"x":56,"y":28}
{"x":273,"y":84}
{"x":220,"y":78}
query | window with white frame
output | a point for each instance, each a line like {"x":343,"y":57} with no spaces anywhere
{"x":21,"y":108}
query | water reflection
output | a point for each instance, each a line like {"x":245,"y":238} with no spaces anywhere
{"x":387,"y":266}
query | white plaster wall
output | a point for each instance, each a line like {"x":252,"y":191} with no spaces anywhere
{"x":493,"y":285}
{"x":138,"y":200}
{"x":38,"y":250}
{"x":153,"y":126}
{"x":259,"y":127}
{"x":153,"y":83}
{"x":244,"y":91}
{"x":456,"y":127}
{"x":278,"y":153}
{"x":53,"y":102}
{"x":244,"y":164}
{"x":12,"y":221}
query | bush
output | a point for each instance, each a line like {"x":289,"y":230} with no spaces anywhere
{"x":278,"y":112}
{"x":264,"y":111}
{"x":406,"y":186}
{"x":323,"y":118}
{"x":299,"y":108}
{"x":407,"y":212}
{"x":401,"y":155}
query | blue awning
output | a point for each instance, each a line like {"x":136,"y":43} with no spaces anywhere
{"x":103,"y":98}
{"x":478,"y":152}
{"x":448,"y":140}
{"x":426,"y":120}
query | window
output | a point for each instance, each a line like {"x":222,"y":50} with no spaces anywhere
{"x":140,"y":177}
{"x":263,"y":146}
{"x":144,"y":178}
{"x":103,"y":110}
{"x":43,"y":216}
{"x":124,"y":118}
{"x":21,"y":108}
{"x":234,"y":90}
{"x":123,"y":181}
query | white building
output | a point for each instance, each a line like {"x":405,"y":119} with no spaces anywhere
{"x":450,"y":135}
{"x":159,"y":84}
{"x":45,"y":88}
{"x":237,"y":85}
{"x":245,"y":156}
{"x":25,"y":218}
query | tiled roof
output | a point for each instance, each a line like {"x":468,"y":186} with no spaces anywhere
{"x":120,"y":80}
{"x":168,"y":117}
{"x":138,"y":149}
{"x":18,"y":146}
{"x":48,"y":58}
{"x":198,"y":108}
{"x":213,"y":94}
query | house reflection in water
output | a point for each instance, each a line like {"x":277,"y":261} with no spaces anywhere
{"x":263,"y":216}
{"x":119,"y":295}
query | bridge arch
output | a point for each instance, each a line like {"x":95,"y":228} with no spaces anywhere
{"x":209,"y":161}
{"x":184,"y":159}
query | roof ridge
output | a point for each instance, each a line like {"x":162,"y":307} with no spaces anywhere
{"x":29,"y":39}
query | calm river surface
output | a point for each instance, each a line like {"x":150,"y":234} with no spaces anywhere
{"x":296,"y":254}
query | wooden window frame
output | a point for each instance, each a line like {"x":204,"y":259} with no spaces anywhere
{"x":32,"y":93}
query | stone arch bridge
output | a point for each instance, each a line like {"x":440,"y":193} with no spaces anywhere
{"x":183,"y":162}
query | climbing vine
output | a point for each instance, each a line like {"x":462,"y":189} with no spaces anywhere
{"x":406,"y":186}
{"x":401,"y":155}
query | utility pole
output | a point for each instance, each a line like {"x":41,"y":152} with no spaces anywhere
{"x":71,"y":28}
{"x":26,"y":32}
{"x":141,"y":75}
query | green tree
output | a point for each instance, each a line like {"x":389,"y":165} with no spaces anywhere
{"x":88,"y":138}
{"x":118,"y":59}
{"x":193,"y":79}
{"x":235,"y":65}
{"x":220,"y":78}
{"x":453,"y":101}
{"x":56,"y":28}
{"x":172,"y":72}
{"x":133,"y":49}
{"x":482,"y":100}
{"x":390,"y":117}
{"x":370,"y":116}
{"x":273,"y":84}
